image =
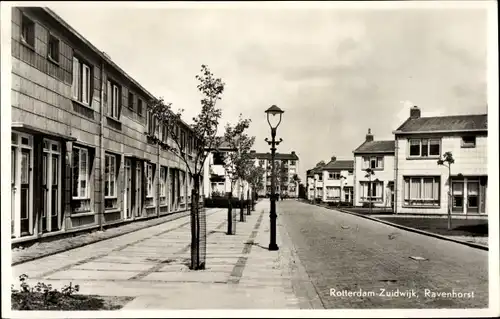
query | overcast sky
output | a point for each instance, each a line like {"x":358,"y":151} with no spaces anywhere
{"x":335,"y":72}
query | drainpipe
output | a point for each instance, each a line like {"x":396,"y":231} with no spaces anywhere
{"x":158,"y":170}
{"x":101,"y":150}
{"x":354,"y":185}
{"x":396,"y":148}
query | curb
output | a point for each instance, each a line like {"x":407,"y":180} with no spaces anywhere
{"x":414,"y":230}
{"x":57,"y":251}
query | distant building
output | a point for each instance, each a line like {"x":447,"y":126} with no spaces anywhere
{"x":377,"y":156}
{"x":217,"y":181}
{"x":422,"y":185}
{"x":291,"y":165}
{"x":337,"y":177}
{"x":315,"y":182}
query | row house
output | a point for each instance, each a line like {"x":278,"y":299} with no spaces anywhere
{"x":80,"y":153}
{"x":217,"y":179}
{"x":315,"y":182}
{"x":423,"y":186}
{"x":374,"y":172}
{"x":337,"y":181}
{"x":289,"y":164}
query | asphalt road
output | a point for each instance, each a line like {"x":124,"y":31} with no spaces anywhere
{"x":369,"y":264}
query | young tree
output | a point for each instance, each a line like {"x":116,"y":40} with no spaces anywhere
{"x":369,"y":173}
{"x":204,"y":129}
{"x":238,"y":163}
{"x":256,"y":180}
{"x":447,"y":161}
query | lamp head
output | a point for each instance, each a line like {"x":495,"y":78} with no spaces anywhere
{"x":274,"y":110}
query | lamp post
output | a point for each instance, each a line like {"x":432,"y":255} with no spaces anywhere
{"x":273,"y":110}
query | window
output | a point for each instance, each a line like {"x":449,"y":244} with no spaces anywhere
{"x":110,"y":174}
{"x":371,"y":191}
{"x":350,"y":172}
{"x":292,"y":163}
{"x":373,"y":162}
{"x":150,"y":122}
{"x":163,"y":185}
{"x":425,"y":147}
{"x":468,"y":141}
{"x":131,"y":100}
{"x":80,"y":173}
{"x":261,"y":163}
{"x":27,"y":31}
{"x":334,"y":175}
{"x":139,"y":106}
{"x":332,"y":192}
{"x":81,"y":87}
{"x":320,"y":177}
{"x":149,"y":180}
{"x":53,"y":48}
{"x":421,"y":191}
{"x":113,"y":100}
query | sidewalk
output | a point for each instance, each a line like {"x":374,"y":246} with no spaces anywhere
{"x":153,"y":265}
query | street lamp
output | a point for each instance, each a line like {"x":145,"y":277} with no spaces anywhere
{"x":274,"y":122}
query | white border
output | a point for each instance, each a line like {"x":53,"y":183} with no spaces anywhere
{"x":493,"y":103}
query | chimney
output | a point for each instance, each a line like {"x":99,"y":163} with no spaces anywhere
{"x":415,"y":112}
{"x":293,"y":152}
{"x":369,"y":135}
{"x":333,"y":158}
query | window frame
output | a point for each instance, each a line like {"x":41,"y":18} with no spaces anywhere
{"x":365,"y":196}
{"x":82,"y":65}
{"x":113,"y":102}
{"x":130,"y":101}
{"x":30,"y":40}
{"x":86,"y":196}
{"x":149,"y":181}
{"x":111,"y":175}
{"x":421,"y":201}
{"x":377,"y":159}
{"x":465,"y":144}
{"x":428,"y":142}
{"x":139,"y":106}
{"x":56,"y":58}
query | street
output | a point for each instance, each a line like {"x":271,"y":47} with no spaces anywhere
{"x":358,"y":260}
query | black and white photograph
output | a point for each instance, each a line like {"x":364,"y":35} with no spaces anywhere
{"x":249,"y":159}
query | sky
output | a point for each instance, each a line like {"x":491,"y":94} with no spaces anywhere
{"x":334,"y":71}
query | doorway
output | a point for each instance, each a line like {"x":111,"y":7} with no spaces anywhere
{"x":51,"y":186}
{"x":138,"y":189}
{"x":127,"y":196}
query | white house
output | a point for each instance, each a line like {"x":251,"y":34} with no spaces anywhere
{"x":378,"y":157}
{"x":337,"y":180}
{"x":421,"y":184}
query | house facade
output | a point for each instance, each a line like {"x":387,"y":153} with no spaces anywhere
{"x":337,"y":181}
{"x":217,"y":180}
{"x":424,"y":187}
{"x":374,"y":172}
{"x":289,"y":164}
{"x":80,"y":153}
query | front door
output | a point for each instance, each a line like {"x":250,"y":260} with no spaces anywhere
{"x":51,"y":186}
{"x":138,"y":189}
{"x":13,"y":174}
{"x":457,"y":196}
{"x":26,"y":199}
{"x":472,"y":196}
{"x":127,"y":196}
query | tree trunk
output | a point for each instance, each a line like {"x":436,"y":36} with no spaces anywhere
{"x":231,"y":220}
{"x":242,"y":214}
{"x":198,"y":228}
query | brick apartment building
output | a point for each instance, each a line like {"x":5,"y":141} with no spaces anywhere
{"x":80,"y":154}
